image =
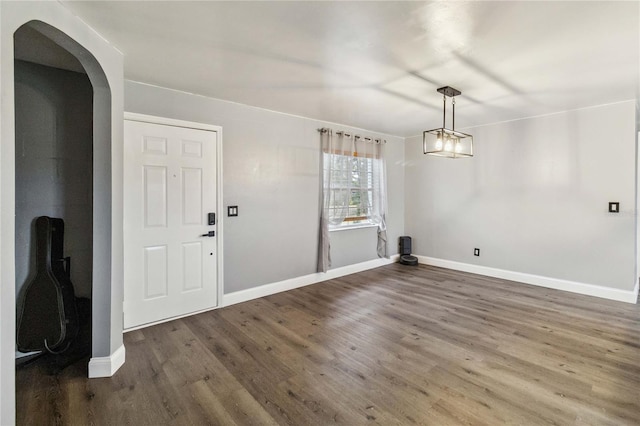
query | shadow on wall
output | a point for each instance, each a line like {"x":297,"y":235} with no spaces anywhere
{"x":54,"y":155}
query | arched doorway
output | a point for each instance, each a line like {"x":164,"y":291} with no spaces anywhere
{"x":53,"y":177}
{"x":103,"y":65}
{"x":40,"y":33}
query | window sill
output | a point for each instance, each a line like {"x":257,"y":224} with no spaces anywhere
{"x":349,"y":227}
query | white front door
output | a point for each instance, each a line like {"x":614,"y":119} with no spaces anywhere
{"x":170,"y":251}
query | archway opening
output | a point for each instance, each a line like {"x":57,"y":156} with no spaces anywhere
{"x":63,"y":170}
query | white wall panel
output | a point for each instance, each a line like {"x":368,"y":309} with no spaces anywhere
{"x":534,"y":198}
{"x":271,"y":171}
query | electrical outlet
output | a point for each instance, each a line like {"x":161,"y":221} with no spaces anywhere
{"x":232,"y":210}
{"x":476,"y":252}
{"x":614,"y":207}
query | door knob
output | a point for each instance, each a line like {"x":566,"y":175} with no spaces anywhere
{"x":209,"y":234}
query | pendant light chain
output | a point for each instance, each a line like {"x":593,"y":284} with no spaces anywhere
{"x":444,"y":110}
{"x":453,"y":102}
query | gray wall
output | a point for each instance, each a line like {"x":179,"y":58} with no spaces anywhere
{"x":271,"y":171}
{"x":534,"y":198}
{"x":54,"y":138}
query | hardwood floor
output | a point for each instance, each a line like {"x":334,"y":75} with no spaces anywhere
{"x":394,"y":345}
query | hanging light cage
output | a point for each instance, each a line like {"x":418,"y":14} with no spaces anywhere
{"x":443,"y":142}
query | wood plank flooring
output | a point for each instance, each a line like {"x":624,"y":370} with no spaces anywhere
{"x":396,"y":345}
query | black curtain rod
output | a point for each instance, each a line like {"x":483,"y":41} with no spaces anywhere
{"x":340,"y":132}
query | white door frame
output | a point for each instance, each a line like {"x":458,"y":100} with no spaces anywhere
{"x":131,"y":116}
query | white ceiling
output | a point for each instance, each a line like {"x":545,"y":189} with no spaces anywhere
{"x":377,"y":65}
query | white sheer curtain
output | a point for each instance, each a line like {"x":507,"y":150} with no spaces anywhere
{"x":379,"y":202}
{"x":350,"y":162}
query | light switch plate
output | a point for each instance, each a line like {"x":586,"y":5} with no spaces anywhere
{"x":614,"y":207}
{"x":232,"y":211}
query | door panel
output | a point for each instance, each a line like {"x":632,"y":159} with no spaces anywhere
{"x":155,"y":196}
{"x":192,"y":261}
{"x":170,"y":187}
{"x":155,"y":272}
{"x":191,"y":196}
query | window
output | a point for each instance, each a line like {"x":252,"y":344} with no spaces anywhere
{"x":351,"y":189}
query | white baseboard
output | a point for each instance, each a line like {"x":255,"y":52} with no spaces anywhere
{"x":106,"y":366}
{"x":629,"y":296}
{"x":277,"y":287}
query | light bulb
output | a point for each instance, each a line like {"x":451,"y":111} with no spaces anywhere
{"x":448,"y":146}
{"x":458,"y":146}
{"x":439,"y":142}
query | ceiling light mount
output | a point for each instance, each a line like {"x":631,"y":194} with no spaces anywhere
{"x":449,"y":91}
{"x":444,"y":142}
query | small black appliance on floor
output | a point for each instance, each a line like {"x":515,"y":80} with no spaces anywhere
{"x":405,"y":252}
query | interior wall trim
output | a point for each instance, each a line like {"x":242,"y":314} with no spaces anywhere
{"x":290,"y":284}
{"x":106,"y":366}
{"x":628,"y":296}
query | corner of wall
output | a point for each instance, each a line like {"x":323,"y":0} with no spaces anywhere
{"x":106,"y":366}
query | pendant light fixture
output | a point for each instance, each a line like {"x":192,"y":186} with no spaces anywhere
{"x":443,"y":142}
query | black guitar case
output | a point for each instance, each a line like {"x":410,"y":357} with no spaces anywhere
{"x":47,"y":314}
